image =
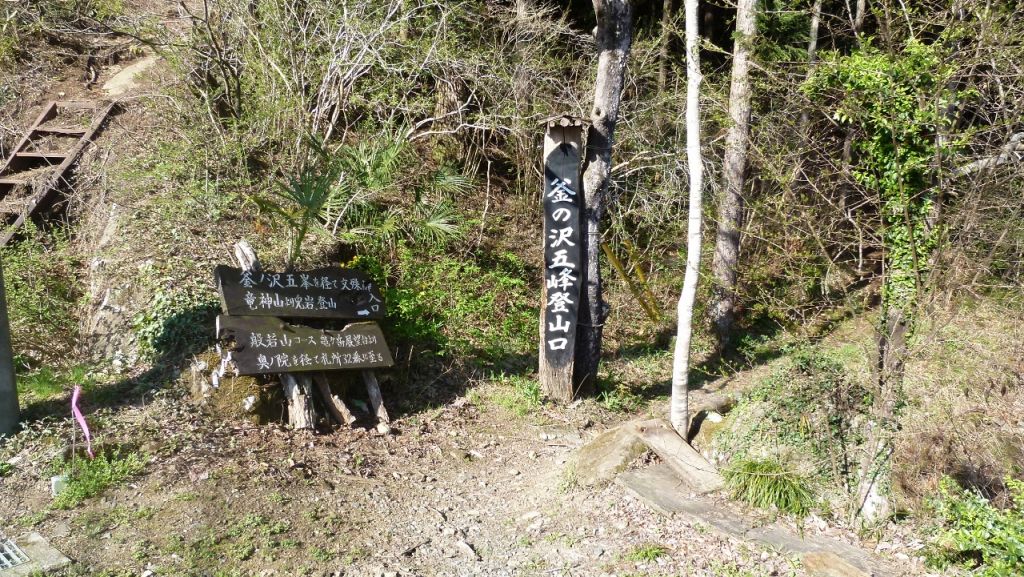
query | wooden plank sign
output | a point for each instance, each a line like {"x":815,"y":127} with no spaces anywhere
{"x":562,"y":255}
{"x":270,"y":345}
{"x":335,"y":293}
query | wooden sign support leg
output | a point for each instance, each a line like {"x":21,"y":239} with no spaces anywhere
{"x":373,"y":389}
{"x":335,"y":406}
{"x":299,"y":390}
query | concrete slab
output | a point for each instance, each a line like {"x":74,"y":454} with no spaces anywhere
{"x":43,"y":558}
{"x":660,"y":489}
{"x":600,"y":460}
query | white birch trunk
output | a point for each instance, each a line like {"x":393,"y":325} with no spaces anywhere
{"x":680,"y":413}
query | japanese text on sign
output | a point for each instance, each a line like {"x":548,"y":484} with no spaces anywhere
{"x":321,"y":293}
{"x":562,"y":257}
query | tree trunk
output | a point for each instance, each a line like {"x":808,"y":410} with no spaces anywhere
{"x":614,"y":21}
{"x":730,"y":205}
{"x":812,"y":59}
{"x":856,"y":23}
{"x":679,"y":412}
{"x":663,"y":56}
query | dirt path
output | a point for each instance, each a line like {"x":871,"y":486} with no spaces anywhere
{"x":462,"y":490}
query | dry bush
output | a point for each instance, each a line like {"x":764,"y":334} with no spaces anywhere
{"x":965,"y":388}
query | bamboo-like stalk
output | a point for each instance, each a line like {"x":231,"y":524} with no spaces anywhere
{"x":617,"y":265}
{"x":641,"y":278}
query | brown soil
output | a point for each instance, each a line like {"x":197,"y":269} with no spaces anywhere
{"x":461,"y":490}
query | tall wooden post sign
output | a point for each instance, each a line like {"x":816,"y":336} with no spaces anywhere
{"x":563,"y":200}
{"x":8,"y":387}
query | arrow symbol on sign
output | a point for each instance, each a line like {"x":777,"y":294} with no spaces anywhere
{"x":363,"y":313}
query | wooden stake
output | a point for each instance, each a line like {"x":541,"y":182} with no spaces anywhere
{"x":563,"y":274}
{"x":298,"y":391}
{"x":373,"y":389}
{"x":335,"y":406}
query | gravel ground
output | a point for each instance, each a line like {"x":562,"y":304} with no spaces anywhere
{"x":466,"y":489}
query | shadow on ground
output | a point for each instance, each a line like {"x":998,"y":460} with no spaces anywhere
{"x":182,"y":336}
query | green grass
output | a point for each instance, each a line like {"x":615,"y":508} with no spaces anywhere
{"x":42,"y":295}
{"x":321,"y":554}
{"x":768,"y":484}
{"x":519,"y":395}
{"x":646,"y":553}
{"x":90,"y":477}
{"x":94,"y":523}
{"x":618,"y":397}
{"x":569,"y":481}
{"x":47,"y":381}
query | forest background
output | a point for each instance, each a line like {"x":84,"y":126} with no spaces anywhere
{"x":878,"y":202}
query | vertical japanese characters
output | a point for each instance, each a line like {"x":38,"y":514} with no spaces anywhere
{"x":561,"y":254}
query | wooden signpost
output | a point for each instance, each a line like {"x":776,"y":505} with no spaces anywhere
{"x":8,"y":386}
{"x":562,"y":255}
{"x":261,"y":345}
{"x":330,"y":293}
{"x":257,"y":341}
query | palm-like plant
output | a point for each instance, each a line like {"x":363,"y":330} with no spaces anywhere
{"x":336,"y":191}
{"x":300,"y":200}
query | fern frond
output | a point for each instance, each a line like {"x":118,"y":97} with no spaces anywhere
{"x":447,"y":182}
{"x":434,"y":224}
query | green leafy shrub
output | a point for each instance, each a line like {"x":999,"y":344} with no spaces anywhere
{"x":462,"y":307}
{"x":90,"y":477}
{"x":879,"y":95}
{"x":42,"y":293}
{"x":975,"y":535}
{"x":768,"y":484}
{"x":175,"y":323}
{"x":808,"y":405}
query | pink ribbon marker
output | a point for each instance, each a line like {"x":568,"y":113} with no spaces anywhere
{"x":81,"y":420}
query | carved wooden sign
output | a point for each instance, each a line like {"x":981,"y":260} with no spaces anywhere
{"x":336,"y":293}
{"x":261,"y":345}
{"x":562,"y":255}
